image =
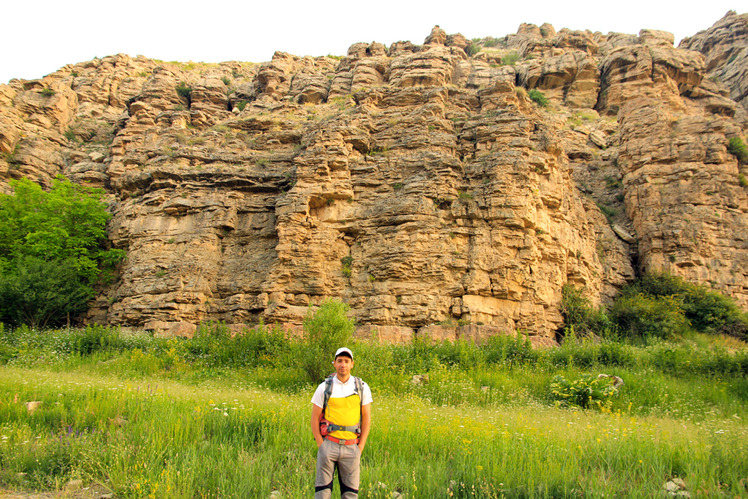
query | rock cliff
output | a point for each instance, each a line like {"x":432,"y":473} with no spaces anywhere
{"x":422,"y":184}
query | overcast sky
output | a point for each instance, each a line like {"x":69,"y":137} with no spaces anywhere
{"x":39,"y":37}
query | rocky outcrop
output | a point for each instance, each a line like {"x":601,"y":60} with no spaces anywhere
{"x":725,"y":49}
{"x":420,"y":184}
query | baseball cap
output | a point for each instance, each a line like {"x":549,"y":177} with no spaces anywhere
{"x":344,"y":351}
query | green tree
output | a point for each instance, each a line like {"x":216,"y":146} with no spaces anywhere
{"x":52,"y":251}
{"x":325,"y":331}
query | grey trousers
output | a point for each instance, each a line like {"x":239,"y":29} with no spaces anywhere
{"x":347,"y":458}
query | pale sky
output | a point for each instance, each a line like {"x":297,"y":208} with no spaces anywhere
{"x":39,"y":37}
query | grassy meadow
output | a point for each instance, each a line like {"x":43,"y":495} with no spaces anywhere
{"x":222,"y":416}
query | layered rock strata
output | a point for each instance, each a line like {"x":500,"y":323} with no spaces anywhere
{"x":419,"y":184}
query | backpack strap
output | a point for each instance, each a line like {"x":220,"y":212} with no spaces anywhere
{"x":359,"y":389}
{"x":328,"y":391}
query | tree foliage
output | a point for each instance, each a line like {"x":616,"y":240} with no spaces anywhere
{"x":52,"y":251}
{"x":326,"y":329}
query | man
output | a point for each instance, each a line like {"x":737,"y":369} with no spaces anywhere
{"x":348,"y":410}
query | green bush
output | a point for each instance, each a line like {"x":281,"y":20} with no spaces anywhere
{"x":642,"y":316}
{"x":580,"y":316}
{"x":738,"y":148}
{"x":707,"y":311}
{"x":415,"y":358}
{"x":346,"y":263}
{"x":613,"y":353}
{"x":538,"y":97}
{"x":510,"y":59}
{"x":184,"y":91}
{"x":93,"y":338}
{"x":472,"y":49}
{"x":490,"y":41}
{"x":325,"y":330}
{"x":587,"y":391}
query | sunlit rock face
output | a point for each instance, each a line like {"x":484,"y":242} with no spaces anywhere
{"x":421,"y":184}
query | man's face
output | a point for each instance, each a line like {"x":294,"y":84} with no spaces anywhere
{"x":343,"y":366}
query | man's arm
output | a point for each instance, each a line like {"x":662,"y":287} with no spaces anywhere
{"x":365,"y":426}
{"x":316,"y":413}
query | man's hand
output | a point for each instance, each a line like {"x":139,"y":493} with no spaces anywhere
{"x":365,"y":426}
{"x":314,"y":421}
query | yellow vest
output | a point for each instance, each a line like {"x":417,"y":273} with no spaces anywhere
{"x":344,"y":411}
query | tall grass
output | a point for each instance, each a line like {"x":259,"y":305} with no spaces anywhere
{"x":223,"y":416}
{"x":156,"y":438}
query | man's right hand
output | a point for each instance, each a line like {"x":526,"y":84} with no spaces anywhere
{"x":314,"y":422}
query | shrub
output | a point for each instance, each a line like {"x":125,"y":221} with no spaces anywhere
{"x":70,"y":135}
{"x":325,"y":331}
{"x":346,"y":261}
{"x":708,"y":311}
{"x":713,"y":312}
{"x":642,"y":316}
{"x":607,"y":211}
{"x":490,"y":41}
{"x":580,"y":316}
{"x":472,"y":49}
{"x":612,"y":353}
{"x":738,"y":148}
{"x":510,"y":59}
{"x":537,"y":97}
{"x":184,"y":92}
{"x":574,"y":352}
{"x":585,"y":392}
{"x":93,"y":338}
{"x":47,"y":92}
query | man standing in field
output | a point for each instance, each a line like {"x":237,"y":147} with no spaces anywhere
{"x":341,"y":418}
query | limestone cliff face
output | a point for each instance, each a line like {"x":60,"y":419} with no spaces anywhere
{"x":725,"y":50}
{"x":419,"y":184}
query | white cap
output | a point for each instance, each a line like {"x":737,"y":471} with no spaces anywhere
{"x":344,"y":350}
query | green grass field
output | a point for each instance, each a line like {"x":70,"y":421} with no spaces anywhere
{"x":146,"y":417}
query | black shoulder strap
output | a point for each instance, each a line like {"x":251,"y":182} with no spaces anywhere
{"x":359,"y":390}
{"x":328,"y":392}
